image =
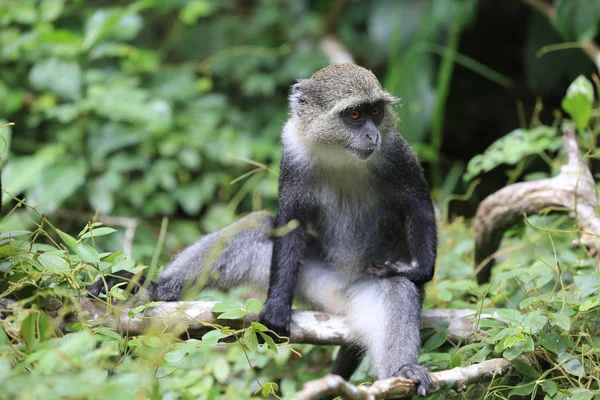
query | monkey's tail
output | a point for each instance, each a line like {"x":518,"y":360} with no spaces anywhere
{"x":238,"y":254}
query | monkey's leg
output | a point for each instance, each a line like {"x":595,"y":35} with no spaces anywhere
{"x":325,"y":289}
{"x":385,"y":316}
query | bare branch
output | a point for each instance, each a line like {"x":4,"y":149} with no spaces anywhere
{"x":457,"y":378}
{"x":572,"y":190}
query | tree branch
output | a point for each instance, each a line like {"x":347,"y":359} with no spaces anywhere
{"x":573,"y":190}
{"x":457,"y":378}
{"x":194,"y":318}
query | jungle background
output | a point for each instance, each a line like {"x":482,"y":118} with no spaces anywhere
{"x":131,"y":128}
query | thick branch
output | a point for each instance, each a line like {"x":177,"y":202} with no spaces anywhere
{"x":573,"y":190}
{"x":195,"y":318}
{"x":457,"y":378}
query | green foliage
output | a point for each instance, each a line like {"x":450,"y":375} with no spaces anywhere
{"x":579,"y":101}
{"x":134,"y":123}
{"x":151,"y":108}
{"x":513,"y":148}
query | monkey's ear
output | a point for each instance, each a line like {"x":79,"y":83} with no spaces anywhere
{"x":299,"y":93}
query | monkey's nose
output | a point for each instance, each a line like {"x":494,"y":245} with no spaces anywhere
{"x":373,"y":137}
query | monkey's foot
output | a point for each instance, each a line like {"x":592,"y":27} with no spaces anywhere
{"x":418,"y":374}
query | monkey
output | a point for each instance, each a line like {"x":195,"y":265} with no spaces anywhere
{"x":351,"y":193}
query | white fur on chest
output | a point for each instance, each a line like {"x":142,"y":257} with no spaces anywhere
{"x":344,"y":194}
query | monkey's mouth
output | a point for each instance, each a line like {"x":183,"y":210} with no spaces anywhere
{"x":361,"y":153}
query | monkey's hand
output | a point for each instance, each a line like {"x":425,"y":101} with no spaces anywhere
{"x":276,"y":317}
{"x":385,"y":269}
{"x":418,"y":374}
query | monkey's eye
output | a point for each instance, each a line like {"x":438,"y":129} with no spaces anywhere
{"x":376,"y":111}
{"x":354,"y":115}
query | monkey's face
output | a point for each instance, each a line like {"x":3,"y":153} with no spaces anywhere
{"x":363,"y":123}
{"x":342,"y":112}
{"x":355,"y":132}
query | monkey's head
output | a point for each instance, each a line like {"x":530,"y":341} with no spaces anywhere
{"x":343,"y":107}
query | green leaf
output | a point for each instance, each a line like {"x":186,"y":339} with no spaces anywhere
{"x":435,"y":341}
{"x":98,"y":232}
{"x":535,"y":321}
{"x":522,"y":390}
{"x":552,"y":341}
{"x":212,"y":338}
{"x":60,"y":181}
{"x":549,"y":387}
{"x":512,"y":148}
{"x":561,"y":320}
{"x":51,"y":9}
{"x":526,"y":370}
{"x":233,"y":314}
{"x":131,"y":313}
{"x":60,"y":77}
{"x":250,"y":340}
{"x":253,"y":305}
{"x":269,"y":341}
{"x":589,"y":304}
{"x":571,"y":364}
{"x":221,"y":369}
{"x":518,"y":347}
{"x":257,"y":326}
{"x":56,"y":264}
{"x":510,"y":315}
{"x":269,"y":388}
{"x":111,"y":333}
{"x":28,"y":330}
{"x":117,"y":23}
{"x":175,"y":357}
{"x":88,"y":253}
{"x":68,"y":239}
{"x":581,"y":394}
{"x":577,"y":20}
{"x":579,"y":101}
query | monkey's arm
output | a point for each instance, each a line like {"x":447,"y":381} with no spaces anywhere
{"x":288,"y":249}
{"x":421,"y":240}
{"x":287,"y":252}
{"x":413,"y":202}
{"x":421,"y":236}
